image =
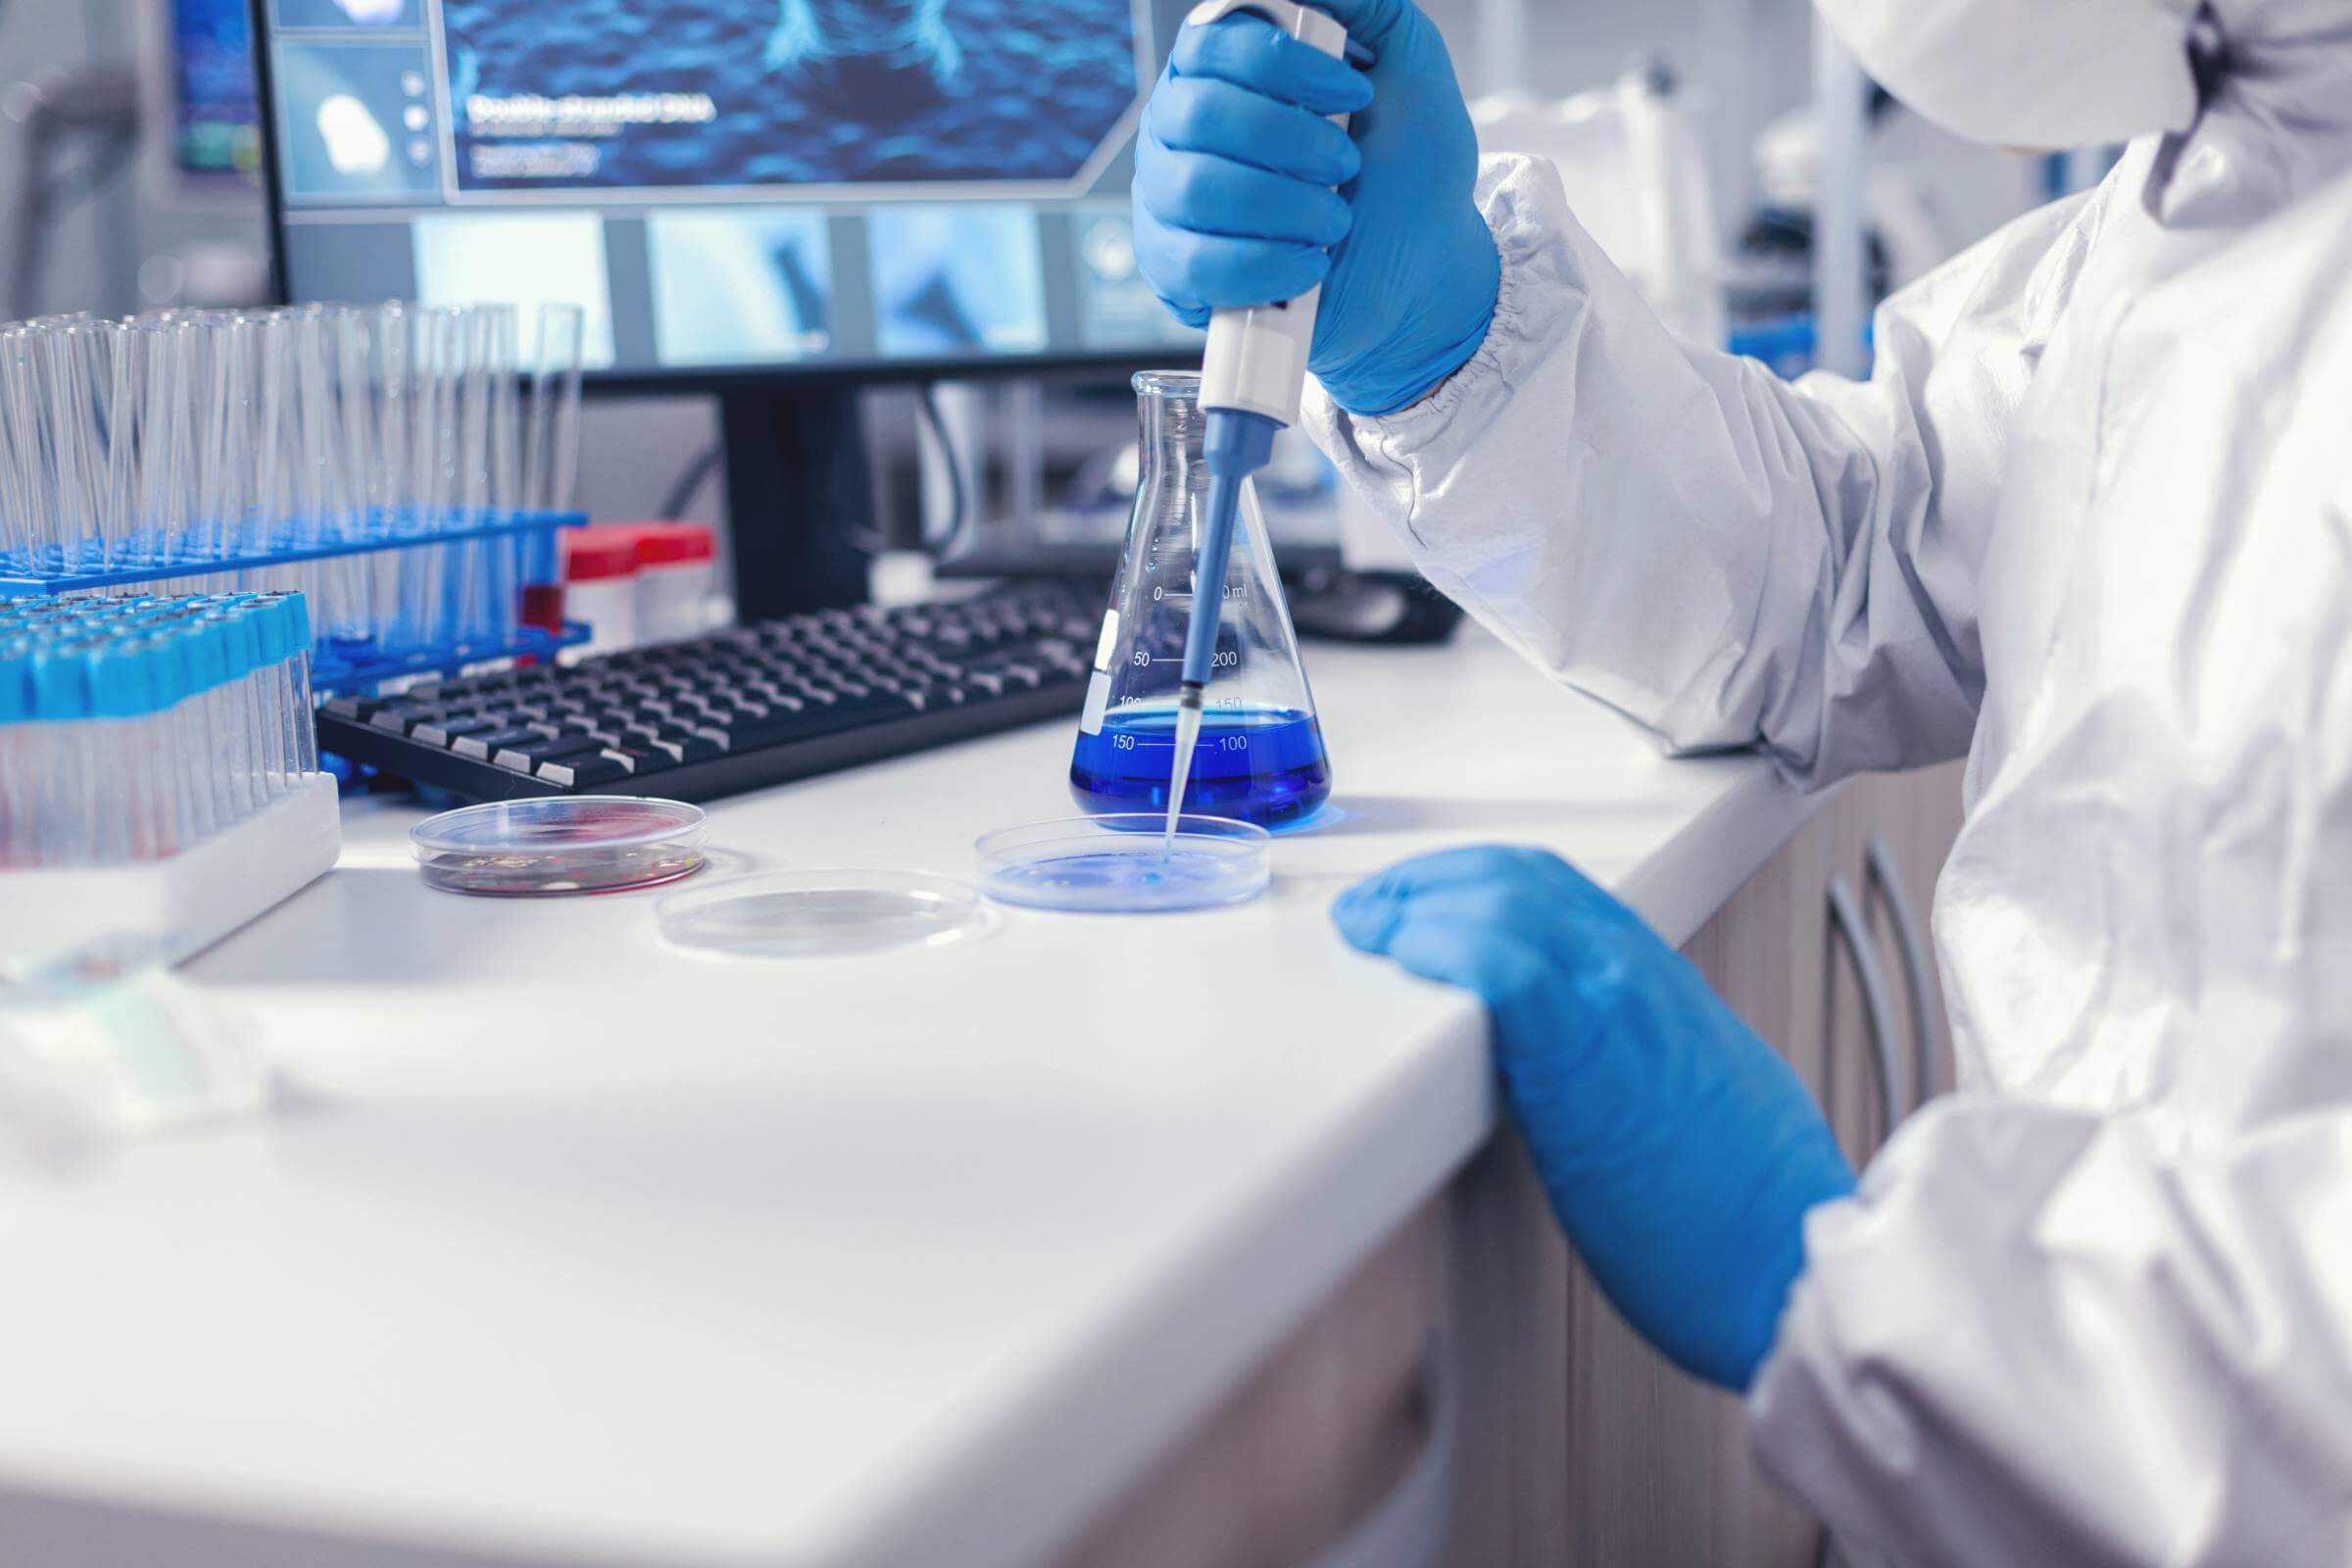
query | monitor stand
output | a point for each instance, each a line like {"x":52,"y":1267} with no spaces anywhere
{"x":799,"y":496}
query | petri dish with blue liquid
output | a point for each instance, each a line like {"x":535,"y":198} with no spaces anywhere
{"x":1126,"y":863}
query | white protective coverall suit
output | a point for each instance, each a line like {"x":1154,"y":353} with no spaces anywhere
{"x":2089,"y":520}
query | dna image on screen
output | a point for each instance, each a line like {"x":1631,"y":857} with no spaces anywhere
{"x":614,"y":95}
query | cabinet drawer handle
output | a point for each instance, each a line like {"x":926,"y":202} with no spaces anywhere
{"x":1846,"y":917}
{"x":1885,"y":882}
{"x":1411,"y":1526}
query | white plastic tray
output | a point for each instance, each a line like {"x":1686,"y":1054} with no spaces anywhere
{"x":185,"y":904}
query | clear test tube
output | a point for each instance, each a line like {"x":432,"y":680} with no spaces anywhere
{"x":17,"y":766}
{"x":269,"y":520}
{"x":16,"y":516}
{"x":390,"y":358}
{"x":105,"y":409}
{"x":479,"y":327}
{"x":154,"y":780}
{"x":551,"y":443}
{"x":350,"y":346}
{"x":188,"y":750}
{"x":65,"y":807}
{"x":427,"y":612}
{"x":78,"y":488}
{"x":160,"y":457}
{"x":498,"y":558}
{"x":249,"y":704}
{"x":42,"y":546}
{"x":223,"y":422}
{"x":251,"y":710}
{"x":297,"y":674}
{"x":122,"y":710}
{"x":208,"y":739}
{"x":272,"y":700}
{"x":312,"y":411}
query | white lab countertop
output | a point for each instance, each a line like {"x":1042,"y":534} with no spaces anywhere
{"x":569,"y":1247}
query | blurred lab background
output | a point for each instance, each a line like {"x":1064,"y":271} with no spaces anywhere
{"x":1707,"y":143}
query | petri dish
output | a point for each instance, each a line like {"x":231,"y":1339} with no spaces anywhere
{"x":799,"y":915}
{"x":1118,"y":863}
{"x":570,"y":844}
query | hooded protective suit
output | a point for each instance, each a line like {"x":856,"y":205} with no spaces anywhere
{"x":2089,"y":520}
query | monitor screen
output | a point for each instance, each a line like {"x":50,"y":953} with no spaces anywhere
{"x":730,"y":187}
{"x":214,"y":118}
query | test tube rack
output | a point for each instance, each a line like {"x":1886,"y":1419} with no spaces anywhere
{"x":338,"y":664}
{"x":159,"y":773}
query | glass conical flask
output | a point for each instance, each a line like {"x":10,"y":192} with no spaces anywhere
{"x":1261,"y":753}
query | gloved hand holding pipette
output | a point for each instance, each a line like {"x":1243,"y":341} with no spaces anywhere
{"x":1235,"y":205}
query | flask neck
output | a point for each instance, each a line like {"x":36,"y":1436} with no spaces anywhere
{"x":1169,"y":428}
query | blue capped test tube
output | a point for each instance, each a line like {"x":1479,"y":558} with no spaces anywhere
{"x":134,"y":728}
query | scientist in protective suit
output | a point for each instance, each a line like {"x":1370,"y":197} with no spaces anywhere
{"x":2089,"y":521}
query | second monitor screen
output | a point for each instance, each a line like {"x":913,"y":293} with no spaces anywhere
{"x":728,"y":185}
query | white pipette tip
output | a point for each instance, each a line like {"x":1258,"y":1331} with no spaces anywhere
{"x":1188,"y":731}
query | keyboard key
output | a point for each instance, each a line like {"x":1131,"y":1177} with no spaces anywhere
{"x":398,"y":720}
{"x":482,"y":748}
{"x":449,"y":729}
{"x":527,"y":755}
{"x":644,"y":759}
{"x":582,"y":770}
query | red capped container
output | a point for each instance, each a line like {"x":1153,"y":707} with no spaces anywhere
{"x":600,"y":583}
{"x":677,"y":580}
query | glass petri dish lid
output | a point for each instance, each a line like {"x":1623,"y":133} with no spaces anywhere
{"x":801,"y":914}
{"x":1121,"y":864}
{"x":568,"y":843}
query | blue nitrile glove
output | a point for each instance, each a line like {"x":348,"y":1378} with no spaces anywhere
{"x":1680,"y":1151}
{"x":1233,"y":205}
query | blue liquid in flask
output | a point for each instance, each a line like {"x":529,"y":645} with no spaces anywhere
{"x":1261,"y":764}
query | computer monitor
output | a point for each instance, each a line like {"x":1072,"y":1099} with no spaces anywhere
{"x":200,"y":90}
{"x":739,"y":191}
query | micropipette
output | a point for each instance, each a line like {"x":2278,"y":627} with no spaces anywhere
{"x":1252,"y":372}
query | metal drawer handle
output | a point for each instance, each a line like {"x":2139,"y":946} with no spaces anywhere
{"x":1845,"y":919}
{"x":1886,"y":883}
{"x":1411,"y":1526}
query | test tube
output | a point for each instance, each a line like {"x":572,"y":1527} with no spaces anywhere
{"x":383,"y":482}
{"x":333,"y":370}
{"x":494,"y":582}
{"x":312,"y":411}
{"x":164,"y":470}
{"x":17,"y":765}
{"x":270,"y":520}
{"x":98,"y":377}
{"x":221,"y":433}
{"x":433,"y":447}
{"x":15,"y":515}
{"x":551,"y":444}
{"x":33,"y":475}
{"x":80,"y":489}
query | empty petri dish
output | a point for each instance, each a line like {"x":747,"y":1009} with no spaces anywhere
{"x":1121,"y":864}
{"x":795,"y":914}
{"x":570,"y":844}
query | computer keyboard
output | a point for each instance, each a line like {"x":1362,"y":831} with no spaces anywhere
{"x":737,"y":710}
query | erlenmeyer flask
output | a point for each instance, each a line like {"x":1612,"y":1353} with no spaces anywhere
{"x":1260,"y":755}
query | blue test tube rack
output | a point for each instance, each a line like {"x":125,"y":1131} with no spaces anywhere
{"x":423,"y":646}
